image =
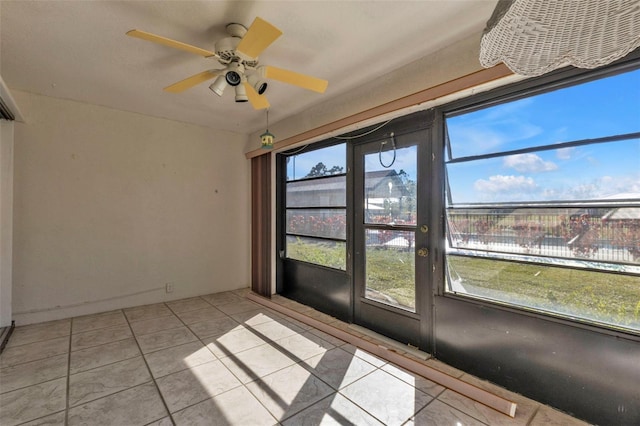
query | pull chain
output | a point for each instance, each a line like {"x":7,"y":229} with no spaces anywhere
{"x":393,"y":145}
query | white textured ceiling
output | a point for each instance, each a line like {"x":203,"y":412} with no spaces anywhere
{"x":78,"y":50}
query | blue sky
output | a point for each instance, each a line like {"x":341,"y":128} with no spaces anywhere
{"x":405,"y":160}
{"x":336,"y":156}
{"x":604,"y":107}
{"x":298,"y":166}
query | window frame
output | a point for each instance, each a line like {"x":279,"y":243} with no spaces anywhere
{"x":553,"y":81}
{"x":282,"y":202}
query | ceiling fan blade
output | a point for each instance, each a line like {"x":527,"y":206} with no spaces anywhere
{"x":257,"y":101}
{"x":189,"y":82}
{"x":171,"y":43}
{"x":301,"y":80}
{"x":259,"y":36}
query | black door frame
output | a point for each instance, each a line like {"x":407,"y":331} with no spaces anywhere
{"x":404,"y":326}
{"x":304,"y":282}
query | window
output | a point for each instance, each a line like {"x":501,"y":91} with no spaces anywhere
{"x":543,"y":201}
{"x":316,"y":199}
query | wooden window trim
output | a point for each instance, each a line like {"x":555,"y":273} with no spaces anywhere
{"x":448,"y":88}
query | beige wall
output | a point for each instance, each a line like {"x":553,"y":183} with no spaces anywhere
{"x":454,"y":61}
{"x":111,"y":206}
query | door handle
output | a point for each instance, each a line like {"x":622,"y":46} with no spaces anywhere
{"x":423,"y":252}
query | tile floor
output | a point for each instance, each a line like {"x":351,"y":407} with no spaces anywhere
{"x":221,"y":359}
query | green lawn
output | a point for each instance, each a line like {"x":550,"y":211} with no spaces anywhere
{"x":599,"y":296}
{"x":333,"y":255}
{"x":389,"y":272}
{"x":392,"y":273}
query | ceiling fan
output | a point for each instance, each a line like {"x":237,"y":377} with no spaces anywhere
{"x":238,"y":53}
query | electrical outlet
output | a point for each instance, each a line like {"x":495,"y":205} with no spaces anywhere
{"x":169,"y":287}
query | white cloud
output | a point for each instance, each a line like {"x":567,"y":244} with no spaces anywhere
{"x":565,"y":153}
{"x":585,"y":191}
{"x":613,"y":186}
{"x":604,"y":187}
{"x":528,"y":163}
{"x":500,"y":183}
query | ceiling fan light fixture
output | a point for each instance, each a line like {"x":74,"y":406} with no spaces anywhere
{"x":234,"y":73}
{"x":241,"y":94}
{"x":257,"y":83}
{"x":219,"y":85}
{"x":233,"y":78}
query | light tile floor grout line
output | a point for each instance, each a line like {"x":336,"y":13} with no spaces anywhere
{"x":339,"y":391}
{"x":68,"y":381}
{"x":107,"y":364}
{"x":270,"y":342}
{"x":63,"y":414}
{"x":297,"y":361}
{"x":153,"y":380}
{"x":534,"y":414}
{"x":387,"y":362}
{"x":244,"y":385}
{"x":189,"y":368}
{"x":335,"y":392}
{"x":200,"y":340}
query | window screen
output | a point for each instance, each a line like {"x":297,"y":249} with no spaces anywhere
{"x":543,"y":201}
{"x":315,"y":199}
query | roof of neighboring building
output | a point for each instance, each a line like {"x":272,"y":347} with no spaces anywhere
{"x":623,"y":213}
{"x":376,"y":181}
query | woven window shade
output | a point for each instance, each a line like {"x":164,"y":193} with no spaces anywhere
{"x":533,"y":37}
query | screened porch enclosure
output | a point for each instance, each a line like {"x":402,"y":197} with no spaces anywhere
{"x":511,"y":250}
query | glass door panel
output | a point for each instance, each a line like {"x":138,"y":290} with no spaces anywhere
{"x":390,"y":192}
{"x":389,"y":261}
{"x":390,"y":268}
{"x":390,"y":213}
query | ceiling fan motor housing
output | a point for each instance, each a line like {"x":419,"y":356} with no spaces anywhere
{"x":236,"y":30}
{"x":226,"y":51}
{"x":226,"y":48}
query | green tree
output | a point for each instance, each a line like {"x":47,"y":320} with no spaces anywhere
{"x":321,"y":170}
